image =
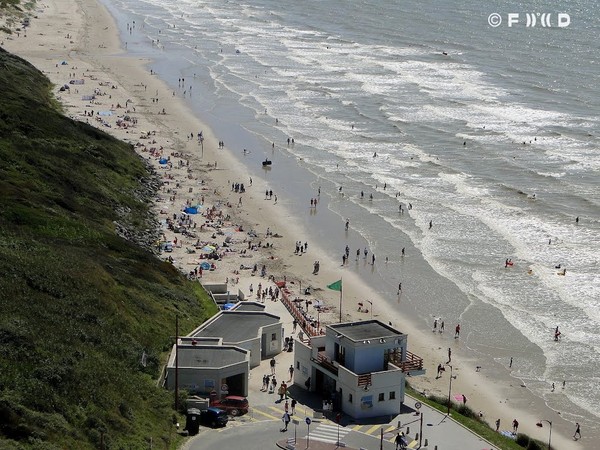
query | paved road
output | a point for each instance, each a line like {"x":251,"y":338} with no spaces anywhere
{"x":265,"y":434}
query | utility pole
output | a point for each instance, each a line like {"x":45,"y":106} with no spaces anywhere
{"x":421,"y":432}
{"x":176,"y":362}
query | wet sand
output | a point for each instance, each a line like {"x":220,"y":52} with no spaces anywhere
{"x":85,"y":35}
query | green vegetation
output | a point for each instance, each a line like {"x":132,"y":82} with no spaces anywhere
{"x":79,"y":305}
{"x":471,"y":420}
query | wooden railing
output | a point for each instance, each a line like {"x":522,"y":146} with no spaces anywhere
{"x":308,"y":329}
{"x":364,"y":380}
{"x":326,"y":363}
{"x":411,"y":363}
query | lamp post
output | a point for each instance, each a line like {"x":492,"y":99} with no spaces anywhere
{"x":549,"y":422}
{"x":371,"y":303}
{"x":449,"y":388}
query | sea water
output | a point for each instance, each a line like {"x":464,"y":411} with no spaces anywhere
{"x":490,"y":133}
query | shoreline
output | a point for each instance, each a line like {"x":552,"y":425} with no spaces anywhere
{"x":112,"y":64}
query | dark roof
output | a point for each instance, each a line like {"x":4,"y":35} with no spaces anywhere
{"x":369,"y":329}
{"x":237,"y":326}
{"x":209,"y":356}
{"x":248,"y":306}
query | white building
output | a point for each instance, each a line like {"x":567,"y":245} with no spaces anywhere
{"x":216,"y":358}
{"x":361,"y":366}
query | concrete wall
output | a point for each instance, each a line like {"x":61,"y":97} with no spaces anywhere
{"x":215,"y":288}
{"x":253,"y":346}
{"x":362,"y":357}
{"x":365,"y":402}
{"x":203,"y":380}
{"x":302,"y":355}
{"x":272,"y":347}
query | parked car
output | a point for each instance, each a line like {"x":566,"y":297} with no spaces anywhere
{"x":214,"y":417}
{"x":233,"y":404}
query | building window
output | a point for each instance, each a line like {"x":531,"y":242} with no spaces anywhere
{"x":381,"y":397}
{"x":349,"y":398}
{"x":393,"y":395}
{"x":273,"y":336}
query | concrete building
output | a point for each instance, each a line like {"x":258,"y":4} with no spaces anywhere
{"x":360,"y":366}
{"x":257,"y":331}
{"x":216,"y":358}
{"x":207,"y":366}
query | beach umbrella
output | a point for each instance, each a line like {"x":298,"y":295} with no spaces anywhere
{"x":208,"y":249}
{"x":190,"y":210}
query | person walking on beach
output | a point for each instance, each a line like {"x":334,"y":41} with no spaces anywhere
{"x":464,"y":399}
{"x":577,"y":434}
{"x":497,"y":425}
{"x":449,"y":355}
{"x":457,"y":331}
{"x":399,"y":288}
{"x":272,"y":364}
{"x":515,"y":425}
{"x":291,"y":370}
{"x":293,"y":405}
{"x":442,"y":327}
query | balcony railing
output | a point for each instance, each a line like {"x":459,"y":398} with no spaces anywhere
{"x":411,"y":363}
{"x":364,"y":380}
{"x":326,"y":363}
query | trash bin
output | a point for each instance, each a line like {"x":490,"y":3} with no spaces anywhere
{"x":192,"y":421}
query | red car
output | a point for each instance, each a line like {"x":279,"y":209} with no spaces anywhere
{"x":233,"y":404}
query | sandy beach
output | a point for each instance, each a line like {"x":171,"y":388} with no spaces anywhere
{"x":129,"y":99}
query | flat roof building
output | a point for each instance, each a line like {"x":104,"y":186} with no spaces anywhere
{"x":216,"y":358}
{"x":361,"y":366}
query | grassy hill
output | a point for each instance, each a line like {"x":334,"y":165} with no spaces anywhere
{"x":79,"y":305}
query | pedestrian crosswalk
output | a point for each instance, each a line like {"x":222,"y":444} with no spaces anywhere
{"x":325,"y":432}
{"x":322,"y":430}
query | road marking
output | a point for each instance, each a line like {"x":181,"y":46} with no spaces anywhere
{"x":373,"y":428}
{"x":328,"y":433}
{"x":265,"y":414}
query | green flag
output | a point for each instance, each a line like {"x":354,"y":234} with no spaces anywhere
{"x":337,"y":286}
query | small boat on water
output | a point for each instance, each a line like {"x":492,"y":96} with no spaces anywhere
{"x":266,"y":162}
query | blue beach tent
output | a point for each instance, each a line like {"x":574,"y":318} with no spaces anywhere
{"x":163,"y":161}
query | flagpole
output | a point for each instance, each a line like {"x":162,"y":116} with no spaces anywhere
{"x":341,"y":291}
